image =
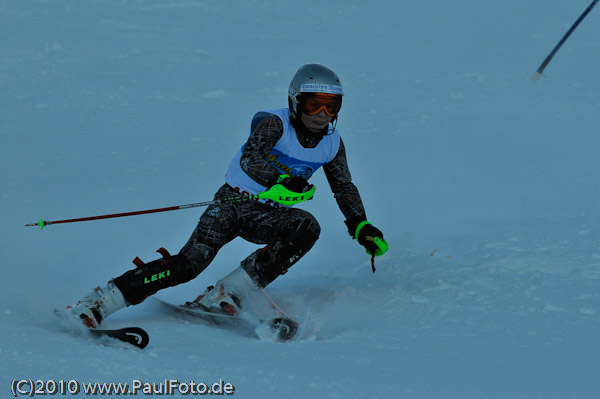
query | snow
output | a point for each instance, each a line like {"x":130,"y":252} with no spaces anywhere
{"x":485,"y":184}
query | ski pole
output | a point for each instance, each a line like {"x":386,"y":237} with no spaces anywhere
{"x":538,"y":73}
{"x":277,"y":193}
{"x":42,"y":223}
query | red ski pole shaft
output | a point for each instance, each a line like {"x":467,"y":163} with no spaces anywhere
{"x":42,"y":223}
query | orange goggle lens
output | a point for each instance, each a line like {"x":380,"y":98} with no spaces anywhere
{"x":314,"y":103}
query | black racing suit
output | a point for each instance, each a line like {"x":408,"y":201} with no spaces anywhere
{"x":289,"y":233}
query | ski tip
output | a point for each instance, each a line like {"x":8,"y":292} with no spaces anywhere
{"x":135,"y":336}
{"x":536,"y":76}
{"x":284,"y":328}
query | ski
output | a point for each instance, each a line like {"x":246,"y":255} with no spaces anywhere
{"x":135,"y":336}
{"x":280,"y":328}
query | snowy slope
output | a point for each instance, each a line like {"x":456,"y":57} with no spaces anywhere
{"x":485,"y":184}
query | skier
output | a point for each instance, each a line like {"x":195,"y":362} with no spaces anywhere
{"x":286,"y":146}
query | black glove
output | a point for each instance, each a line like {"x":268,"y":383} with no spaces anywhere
{"x":289,"y":190}
{"x":294,"y":183}
{"x":368,"y":236}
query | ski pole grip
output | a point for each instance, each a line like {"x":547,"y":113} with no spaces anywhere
{"x":382,"y":245}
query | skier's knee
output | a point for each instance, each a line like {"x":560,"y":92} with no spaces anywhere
{"x":268,"y":263}
{"x":303,"y":233}
{"x":312,"y":227}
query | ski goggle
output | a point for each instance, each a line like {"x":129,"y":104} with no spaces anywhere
{"x":313,"y":103}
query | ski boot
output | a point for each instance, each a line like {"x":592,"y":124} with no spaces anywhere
{"x":227,"y":295}
{"x":98,"y":304}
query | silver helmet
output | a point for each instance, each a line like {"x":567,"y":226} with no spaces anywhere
{"x":312,"y":78}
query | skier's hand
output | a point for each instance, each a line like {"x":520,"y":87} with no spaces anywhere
{"x":289,"y":190}
{"x":295,"y":184}
{"x":368,"y":236}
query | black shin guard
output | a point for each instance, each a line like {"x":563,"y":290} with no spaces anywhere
{"x":268,"y":263}
{"x":148,"y":278}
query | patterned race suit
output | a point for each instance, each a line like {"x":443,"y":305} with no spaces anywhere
{"x":288,"y":233}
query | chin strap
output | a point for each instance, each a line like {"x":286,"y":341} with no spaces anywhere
{"x":333,"y":124}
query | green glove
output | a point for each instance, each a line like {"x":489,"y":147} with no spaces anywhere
{"x":371,"y":238}
{"x":368,"y":236}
